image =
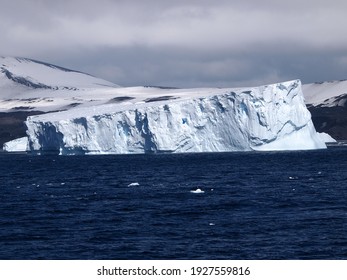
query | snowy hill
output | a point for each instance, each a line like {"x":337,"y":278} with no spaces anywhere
{"x":327,"y":103}
{"x":326,"y":94}
{"x":40,"y":75}
{"x":32,"y":85}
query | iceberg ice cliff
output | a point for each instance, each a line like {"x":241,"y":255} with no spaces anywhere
{"x":272,"y":117}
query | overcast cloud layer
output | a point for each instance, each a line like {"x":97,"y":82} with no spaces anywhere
{"x":182,"y":43}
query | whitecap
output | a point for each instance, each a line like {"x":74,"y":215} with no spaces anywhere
{"x":136,"y":184}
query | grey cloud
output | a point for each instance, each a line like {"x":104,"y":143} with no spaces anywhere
{"x":140,"y":65}
{"x":182,"y":43}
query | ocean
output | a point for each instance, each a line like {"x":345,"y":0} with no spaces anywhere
{"x":249,"y":205}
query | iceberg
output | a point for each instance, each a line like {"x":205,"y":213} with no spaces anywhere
{"x":326,"y":137}
{"x":265,"y":118}
{"x":16,"y":145}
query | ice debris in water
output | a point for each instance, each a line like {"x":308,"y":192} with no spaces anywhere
{"x":197,"y":190}
{"x":134,"y":184}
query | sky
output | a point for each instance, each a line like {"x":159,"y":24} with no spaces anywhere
{"x":182,"y":43}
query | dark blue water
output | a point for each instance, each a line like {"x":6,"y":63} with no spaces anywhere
{"x":287,"y":205}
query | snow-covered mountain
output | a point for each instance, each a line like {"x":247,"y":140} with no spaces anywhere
{"x":82,"y":114}
{"x":326,"y":94}
{"x":327,"y":102}
{"x":29,"y":85}
{"x":40,"y":75}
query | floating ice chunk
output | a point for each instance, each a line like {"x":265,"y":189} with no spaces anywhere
{"x":211,"y":224}
{"x":326,"y":137}
{"x":17,"y":145}
{"x":198,"y":190}
{"x":134,"y":184}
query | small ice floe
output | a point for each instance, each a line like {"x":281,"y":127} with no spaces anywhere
{"x":211,"y":224}
{"x":136,"y":184}
{"x":197,"y":190}
{"x":293,"y":178}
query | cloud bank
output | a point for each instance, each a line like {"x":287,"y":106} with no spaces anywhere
{"x":182,"y":43}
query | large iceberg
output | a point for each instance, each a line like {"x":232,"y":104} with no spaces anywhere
{"x":272,"y":117}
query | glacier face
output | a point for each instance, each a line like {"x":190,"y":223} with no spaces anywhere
{"x":272,"y":117}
